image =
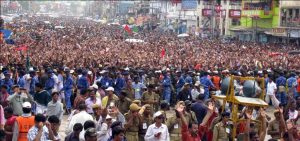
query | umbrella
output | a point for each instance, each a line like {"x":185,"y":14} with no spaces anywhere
{"x":294,"y":52}
{"x":134,"y":40}
{"x":183,"y":35}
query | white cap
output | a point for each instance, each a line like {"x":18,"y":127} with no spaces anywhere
{"x":71,"y":71}
{"x":197,"y":83}
{"x":26,"y":105}
{"x":103,"y":71}
{"x":260,"y":72}
{"x":157,"y":114}
{"x":89,"y":72}
{"x":269,"y":70}
{"x":110,"y":89}
{"x":95,"y":86}
{"x":108,"y":117}
{"x":31,"y":69}
{"x":167,"y":69}
{"x":215,"y":71}
{"x":127,"y":69}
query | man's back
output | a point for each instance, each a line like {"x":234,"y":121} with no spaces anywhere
{"x":200,"y":110}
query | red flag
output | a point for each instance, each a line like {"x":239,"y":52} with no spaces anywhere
{"x":163,"y":53}
{"x":1,"y":37}
{"x":127,"y":28}
{"x":20,"y":48}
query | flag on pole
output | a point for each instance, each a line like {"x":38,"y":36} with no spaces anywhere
{"x":21,"y":48}
{"x":163,"y":53}
{"x":127,"y":29}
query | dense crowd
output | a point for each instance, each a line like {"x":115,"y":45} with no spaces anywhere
{"x":114,"y":90}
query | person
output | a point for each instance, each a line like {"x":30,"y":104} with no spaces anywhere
{"x":105,"y":130}
{"x":271,"y":91}
{"x":221,"y":130}
{"x":8,"y":81}
{"x":54,"y":125}
{"x":124,"y":102}
{"x":119,"y":83}
{"x":3,"y":96}
{"x":41,"y":131}
{"x":83,"y":83}
{"x":30,"y":82}
{"x":55,"y":107}
{"x":195,"y":91}
{"x":74,"y":136}
{"x":2,"y":135}
{"x":166,"y":83}
{"x":138,"y":88}
{"x":90,"y":135}
{"x":151,"y":98}
{"x":146,"y":121}
{"x":133,"y":120}
{"x":216,"y":79}
{"x":253,"y":135}
{"x":23,"y":123}
{"x":88,"y":124}
{"x":118,"y":134}
{"x":157,"y":131}
{"x":50,"y":82}
{"x":17,"y":99}
{"x":180,"y":81}
{"x":67,"y":89}
{"x":281,"y":92}
{"x":110,"y":98}
{"x":80,"y":98}
{"x":80,"y":117}
{"x":276,"y":126}
{"x":2,"y":119}
{"x":91,"y":100}
{"x":199,"y":108}
{"x":207,"y":84}
{"x":10,"y":120}
{"x":189,"y":114}
{"x":174,"y":125}
{"x":42,"y":98}
{"x":185,"y":93}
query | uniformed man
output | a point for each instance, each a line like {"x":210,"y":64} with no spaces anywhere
{"x":281,"y":92}
{"x":68,"y":89}
{"x":123,"y":103}
{"x":50,"y":82}
{"x":83,"y":83}
{"x":146,"y":121}
{"x":8,"y":81}
{"x":206,"y":82}
{"x":174,"y":125}
{"x":151,"y":98}
{"x":190,"y":115}
{"x":166,"y":83}
{"x":133,"y":120}
{"x":221,"y":130}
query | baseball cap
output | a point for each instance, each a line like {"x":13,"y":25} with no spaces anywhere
{"x":134,"y":107}
{"x":157,"y":114}
{"x":26,"y":105}
{"x":110,"y":89}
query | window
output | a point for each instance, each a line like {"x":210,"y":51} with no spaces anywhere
{"x":235,"y":22}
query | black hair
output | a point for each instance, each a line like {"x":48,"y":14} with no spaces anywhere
{"x":26,"y":110}
{"x":225,"y":114}
{"x":54,"y":93}
{"x":89,"y":124}
{"x":252,"y":134}
{"x":201,"y":97}
{"x":39,"y":118}
{"x":54,"y":119}
{"x":82,"y":106}
{"x":115,"y":124}
{"x":83,"y":91}
{"x":4,"y":86}
{"x":124,"y":93}
{"x":164,"y":105}
{"x":117,"y":130}
{"x":8,"y":110}
{"x":77,"y":127}
{"x":2,"y":134}
{"x":39,"y":85}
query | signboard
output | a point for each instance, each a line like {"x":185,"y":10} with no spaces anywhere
{"x":247,"y":13}
{"x":189,"y":4}
{"x":278,"y":30}
{"x":235,"y":13}
{"x":207,"y":12}
{"x":223,"y":13}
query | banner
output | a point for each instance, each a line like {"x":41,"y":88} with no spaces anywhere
{"x":189,"y":4}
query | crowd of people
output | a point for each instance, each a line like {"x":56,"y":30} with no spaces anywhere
{"x":114,"y":90}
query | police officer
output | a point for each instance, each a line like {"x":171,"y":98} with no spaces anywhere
{"x":206,"y":82}
{"x":133,"y":120}
{"x":166,"y":83}
{"x":83,"y":83}
{"x":146,"y":121}
{"x":50,"y":82}
{"x":174,"y":125}
{"x":281,"y":92}
{"x":68,"y":89}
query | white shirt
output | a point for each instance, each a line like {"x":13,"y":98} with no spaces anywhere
{"x":152,"y":130}
{"x":80,"y":117}
{"x":54,"y":76}
{"x":60,"y":84}
{"x":271,"y":87}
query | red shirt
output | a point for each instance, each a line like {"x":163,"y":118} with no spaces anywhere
{"x":186,"y":135}
{"x":9,"y":127}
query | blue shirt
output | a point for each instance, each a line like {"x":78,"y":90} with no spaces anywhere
{"x":281,"y":81}
{"x":68,"y":83}
{"x":119,"y":84}
{"x":106,"y":82}
{"x":21,"y":81}
{"x":188,"y":79}
{"x":49,"y":85}
{"x":200,"y":110}
{"x":138,"y":89}
{"x":33,"y":81}
{"x":9,"y":83}
{"x":180,"y":82}
{"x":83,"y":83}
{"x":292,"y":81}
{"x":166,"y":82}
{"x":206,"y":82}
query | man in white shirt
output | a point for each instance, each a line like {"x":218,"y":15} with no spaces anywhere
{"x":157,"y":131}
{"x":80,"y":117}
{"x":271,"y":90}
